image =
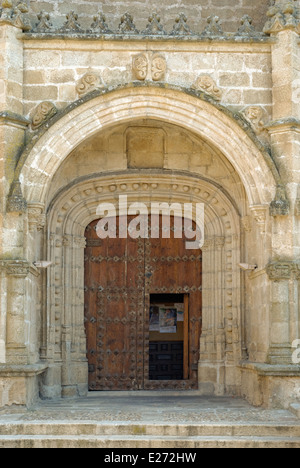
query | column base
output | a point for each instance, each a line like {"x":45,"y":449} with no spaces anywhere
{"x":19,"y":385}
{"x":270,"y":386}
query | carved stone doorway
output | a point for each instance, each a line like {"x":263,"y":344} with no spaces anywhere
{"x":124,"y":278}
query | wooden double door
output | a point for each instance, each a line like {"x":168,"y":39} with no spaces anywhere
{"x":123,"y":277}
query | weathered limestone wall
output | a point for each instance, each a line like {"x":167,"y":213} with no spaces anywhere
{"x":197,"y":11}
{"x":241,"y":72}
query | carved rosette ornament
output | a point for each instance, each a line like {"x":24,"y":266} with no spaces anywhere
{"x":42,"y":113}
{"x":89,"y":82}
{"x":283,"y":14}
{"x":206,"y":84}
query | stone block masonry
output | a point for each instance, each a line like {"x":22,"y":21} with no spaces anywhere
{"x":230,"y":11}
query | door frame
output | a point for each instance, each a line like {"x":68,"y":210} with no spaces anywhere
{"x":73,"y":208}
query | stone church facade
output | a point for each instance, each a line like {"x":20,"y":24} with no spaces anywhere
{"x":188,"y":102}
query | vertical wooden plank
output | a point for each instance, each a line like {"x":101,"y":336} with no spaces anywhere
{"x":186,"y":338}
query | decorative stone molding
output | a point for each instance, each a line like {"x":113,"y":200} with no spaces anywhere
{"x":282,"y":15}
{"x":280,"y":206}
{"x":257,"y":117}
{"x":155,"y":64}
{"x":280,"y":270}
{"x":71,"y":25}
{"x":207,"y":84}
{"x":214,"y":27}
{"x":42,"y":113}
{"x":127,"y":25}
{"x":80,"y":242}
{"x":247,"y":223}
{"x":88,"y":83}
{"x":140,"y":66}
{"x":158,"y":67}
{"x":44,"y":25}
{"x":16,"y":202}
{"x":36,"y":216}
{"x":260,"y":215}
{"x":181,"y":28}
{"x":18,"y":268}
{"x":99,"y":25}
{"x":14,"y":16}
{"x":154,"y":26}
{"x":13,"y":120}
{"x":246,"y":29}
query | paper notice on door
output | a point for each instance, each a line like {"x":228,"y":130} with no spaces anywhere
{"x":167,"y":320}
{"x":154,"y":318}
{"x":180,"y":312}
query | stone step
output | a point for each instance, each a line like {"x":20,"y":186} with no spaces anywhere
{"x":148,"y":429}
{"x":153,"y":442}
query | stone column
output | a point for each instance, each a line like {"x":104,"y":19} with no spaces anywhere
{"x":281,"y":277}
{"x":18,"y":273}
{"x":284,"y":131}
{"x":74,"y":361}
{"x":212,"y":342}
{"x":12,"y":122}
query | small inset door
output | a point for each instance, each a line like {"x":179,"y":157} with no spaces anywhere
{"x":169,"y":337}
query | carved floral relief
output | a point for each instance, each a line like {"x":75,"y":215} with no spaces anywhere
{"x":149,"y":66}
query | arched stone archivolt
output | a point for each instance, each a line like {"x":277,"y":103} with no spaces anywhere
{"x":37,"y":168}
{"x":68,"y":215}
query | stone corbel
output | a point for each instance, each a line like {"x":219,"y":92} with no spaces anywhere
{"x":259,"y":213}
{"x":36,"y":216}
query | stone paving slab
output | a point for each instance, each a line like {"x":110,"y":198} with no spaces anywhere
{"x":151,"y":407}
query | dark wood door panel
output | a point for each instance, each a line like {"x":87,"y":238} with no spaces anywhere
{"x":120,"y":276}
